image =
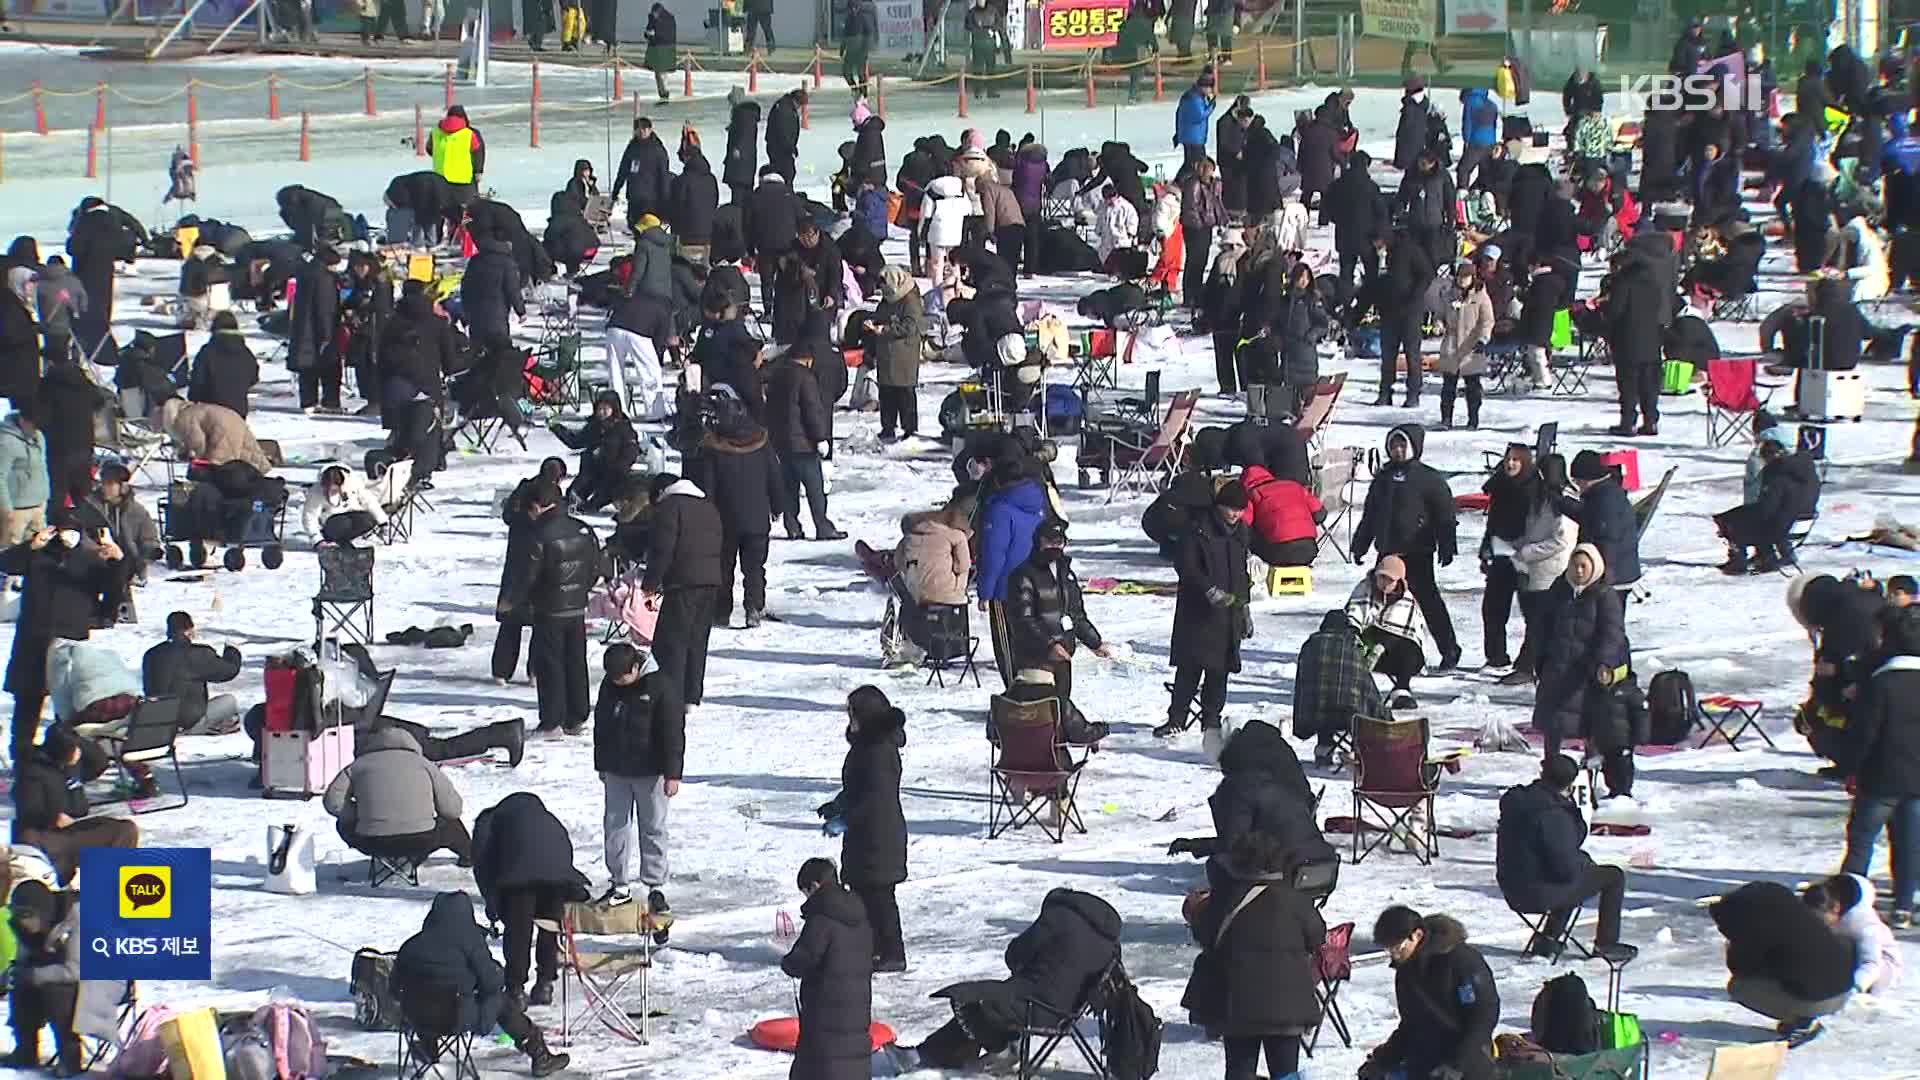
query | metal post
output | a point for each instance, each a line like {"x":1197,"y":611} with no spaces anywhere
{"x":1299,"y":39}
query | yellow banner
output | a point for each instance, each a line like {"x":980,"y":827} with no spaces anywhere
{"x":1401,"y":20}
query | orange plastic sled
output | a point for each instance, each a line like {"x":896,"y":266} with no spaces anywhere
{"x":783,"y":1033}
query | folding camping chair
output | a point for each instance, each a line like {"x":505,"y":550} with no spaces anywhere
{"x":1716,"y":713}
{"x":1732,"y":398}
{"x":1053,"y":1026}
{"x":1503,"y":361}
{"x":1332,"y":967}
{"x":106,"y":1044}
{"x":1158,"y":458}
{"x":399,"y":526}
{"x":1742,"y":308}
{"x":343,"y":607}
{"x":950,"y":644}
{"x":1558,"y":941}
{"x":1313,"y":420}
{"x":1647,"y":505}
{"x":603,"y":979}
{"x":384,"y":868}
{"x":1394,"y":784}
{"x":557,"y":362}
{"x":149,"y":740}
{"x":1034,"y":769}
{"x":1335,"y":473}
{"x":1569,"y":372}
{"x":431,"y":1034}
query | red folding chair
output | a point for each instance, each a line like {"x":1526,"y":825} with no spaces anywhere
{"x":1393,"y":787}
{"x":1732,"y":398}
{"x":1033,"y":770}
{"x":1332,"y":967}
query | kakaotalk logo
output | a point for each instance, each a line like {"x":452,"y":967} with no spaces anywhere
{"x":146,"y":892}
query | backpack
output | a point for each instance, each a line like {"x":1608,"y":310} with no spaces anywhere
{"x":1565,"y":1020}
{"x":299,"y":1050}
{"x":1129,"y":1031}
{"x":375,"y":1008}
{"x":1670,"y":708}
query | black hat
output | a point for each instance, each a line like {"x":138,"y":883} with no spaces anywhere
{"x":1050,"y":531}
{"x":1560,"y":771}
{"x":1588,"y":466}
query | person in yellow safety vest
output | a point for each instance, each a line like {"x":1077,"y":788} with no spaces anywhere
{"x":459,"y":153}
{"x":573,"y":25}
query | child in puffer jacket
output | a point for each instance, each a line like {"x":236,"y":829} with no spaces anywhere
{"x":1846,"y":902}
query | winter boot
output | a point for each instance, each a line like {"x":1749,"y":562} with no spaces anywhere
{"x":1736,"y":564}
{"x":544,"y":1061}
{"x":791,"y":522}
{"x":825,"y":530}
{"x":462,"y":747}
{"x":542,"y":992}
{"x":511,"y":736}
{"x":755,"y":618}
{"x":26,"y":1050}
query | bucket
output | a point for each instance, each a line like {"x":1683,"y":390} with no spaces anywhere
{"x":290,"y":865}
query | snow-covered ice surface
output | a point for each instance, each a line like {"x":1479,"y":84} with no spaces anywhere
{"x":767,"y":746}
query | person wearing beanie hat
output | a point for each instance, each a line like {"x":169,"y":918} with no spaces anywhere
{"x":1542,"y":870}
{"x":547,"y":581}
{"x":1409,"y":512}
{"x":639,"y":750}
{"x":1393,"y":633}
{"x":1585,"y":669}
{"x":1902,"y":590}
{"x":1046,"y":614}
{"x":1606,"y":517}
{"x":1209,"y":615}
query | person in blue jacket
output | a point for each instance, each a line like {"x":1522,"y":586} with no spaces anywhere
{"x":1479,"y":130}
{"x":1193,"y":118}
{"x":1015,"y":507}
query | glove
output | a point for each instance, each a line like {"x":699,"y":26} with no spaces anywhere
{"x":1373,"y":1070}
{"x":1180,"y":847}
{"x":835,"y":826}
{"x":1446,"y":1072}
{"x":1219,"y":597}
{"x":830,"y":808}
{"x":1486,"y":562}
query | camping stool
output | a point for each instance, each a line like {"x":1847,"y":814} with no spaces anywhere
{"x":343,"y":605}
{"x":384,"y":868}
{"x":1537,"y":923}
{"x":602,"y":977}
{"x":1173,"y":727}
{"x":1289,"y":580}
{"x":1718,"y":711}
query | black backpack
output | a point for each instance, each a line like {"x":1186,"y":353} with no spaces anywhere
{"x":1565,"y":1020}
{"x":1129,"y":1031}
{"x":1670,"y":708}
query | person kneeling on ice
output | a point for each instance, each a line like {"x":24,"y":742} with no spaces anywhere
{"x":639,"y":749}
{"x":1845,"y":901}
{"x":1447,"y":998}
{"x":1055,"y":963}
{"x":1385,"y":615}
{"x":449,"y":955}
{"x":1332,"y":684}
{"x":867,"y":815}
{"x":394,"y":803}
{"x":1541,"y":869}
{"x":1038,"y":684}
{"x":523,"y":865}
{"x":1785,"y":962}
{"x":833,"y":959}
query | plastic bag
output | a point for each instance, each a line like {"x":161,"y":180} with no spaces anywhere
{"x":344,"y":683}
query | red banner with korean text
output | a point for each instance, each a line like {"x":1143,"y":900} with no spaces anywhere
{"x":1081,"y":24}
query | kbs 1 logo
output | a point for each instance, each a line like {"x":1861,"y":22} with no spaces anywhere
{"x":1692,"y":93}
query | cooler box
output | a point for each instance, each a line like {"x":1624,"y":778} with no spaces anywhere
{"x":282,"y":685}
{"x":1628,"y":462}
{"x":302,"y":764}
{"x":1833,"y":395}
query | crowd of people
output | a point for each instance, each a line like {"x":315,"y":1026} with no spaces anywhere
{"x":1481,"y":246}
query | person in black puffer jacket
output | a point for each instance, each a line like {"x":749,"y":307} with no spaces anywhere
{"x":1785,"y":962}
{"x":418,"y":354}
{"x":515,"y":616}
{"x":489,"y":291}
{"x":569,"y":238}
{"x":1046,"y":615}
{"x":685,"y":567}
{"x":1606,"y":516}
{"x":1172,"y":513}
{"x":63,"y":586}
{"x":557,"y":570}
{"x":693,"y":201}
{"x":1789,"y":493}
{"x":798,"y":422}
{"x":1636,"y":310}
{"x":834,"y":961}
{"x":609,"y":448}
{"x":1358,"y":210}
{"x":643,"y":173}
{"x":1888,"y":730}
{"x":1402,"y":299}
{"x":489,"y":218}
{"x":1262,"y":790}
{"x":50,"y":807}
{"x":738,"y":470}
{"x":1209,"y":614}
{"x":314,"y":216}
{"x":873,"y":847}
{"x":1447,"y":998}
{"x":1585,"y":661}
{"x":1409,"y":512}
{"x":783,"y":133}
{"x":523,"y":865}
{"x":1539,"y":864}
{"x":1253,"y":982}
{"x":742,"y":161}
{"x":224,"y":370}
{"x":450,"y":953}
{"x":436,"y":208}
{"x":1058,"y":961}
{"x":639,"y":750}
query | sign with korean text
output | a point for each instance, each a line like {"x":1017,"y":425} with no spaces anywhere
{"x":1476,"y":16}
{"x":1080,"y":24}
{"x":1401,"y":20}
{"x":902,"y":31}
{"x":146,"y":913}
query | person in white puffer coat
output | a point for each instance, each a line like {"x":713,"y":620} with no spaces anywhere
{"x":1846,"y":901}
{"x":338,"y":494}
{"x":943,"y":213}
{"x":1119,"y":225}
{"x":1863,"y":255}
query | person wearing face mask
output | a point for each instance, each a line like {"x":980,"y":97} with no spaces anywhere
{"x":65,"y":574}
{"x":1209,"y":615}
{"x":1447,"y":1000}
{"x":1409,"y":512}
{"x":1583,"y":657}
{"x":867,"y":816}
{"x":1393,"y":633}
{"x":1046,"y":615}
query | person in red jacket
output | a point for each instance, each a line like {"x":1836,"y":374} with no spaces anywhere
{"x":1285,"y":518}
